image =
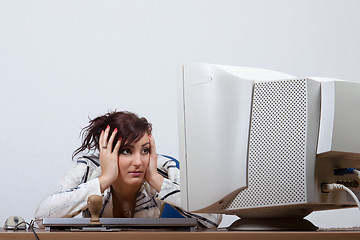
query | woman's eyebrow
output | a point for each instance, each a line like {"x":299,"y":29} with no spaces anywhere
{"x":131,"y":146}
{"x":128,"y":146}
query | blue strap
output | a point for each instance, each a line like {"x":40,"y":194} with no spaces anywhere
{"x":174,"y":159}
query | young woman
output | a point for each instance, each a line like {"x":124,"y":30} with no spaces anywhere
{"x":126,"y":171}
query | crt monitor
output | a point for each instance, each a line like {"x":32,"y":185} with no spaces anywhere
{"x":260,"y":144}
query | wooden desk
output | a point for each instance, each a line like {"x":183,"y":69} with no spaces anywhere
{"x":175,"y":235}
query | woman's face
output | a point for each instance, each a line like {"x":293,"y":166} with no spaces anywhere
{"x":134,"y":160}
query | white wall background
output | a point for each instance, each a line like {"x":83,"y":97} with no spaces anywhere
{"x":64,"y":60}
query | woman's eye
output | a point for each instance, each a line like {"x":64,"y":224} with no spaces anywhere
{"x":126,"y":151}
{"x":146,"y":151}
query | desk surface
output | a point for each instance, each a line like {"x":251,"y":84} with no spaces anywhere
{"x":177,"y":235}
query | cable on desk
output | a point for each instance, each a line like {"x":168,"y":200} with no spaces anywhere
{"x":30,"y":226}
{"x":326,"y":187}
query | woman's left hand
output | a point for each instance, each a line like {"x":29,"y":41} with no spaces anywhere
{"x":152,"y":176}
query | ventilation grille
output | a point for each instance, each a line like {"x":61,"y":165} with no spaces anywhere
{"x":277,"y":146}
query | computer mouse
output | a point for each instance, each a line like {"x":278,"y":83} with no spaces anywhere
{"x":12,"y":221}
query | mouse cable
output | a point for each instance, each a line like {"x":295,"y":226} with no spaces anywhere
{"x":30,"y":226}
{"x":335,"y":186}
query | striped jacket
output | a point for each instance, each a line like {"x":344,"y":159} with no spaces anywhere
{"x":70,"y":197}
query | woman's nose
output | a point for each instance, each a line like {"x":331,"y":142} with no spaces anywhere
{"x":137,"y":160}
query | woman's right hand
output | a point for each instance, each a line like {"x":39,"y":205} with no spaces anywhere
{"x":108,"y":159}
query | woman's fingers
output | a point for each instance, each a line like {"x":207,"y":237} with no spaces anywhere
{"x":152,"y":176}
{"x":117,"y":147}
{"x":105,"y":137}
{"x":103,"y":143}
{"x":111,"y":140}
{"x":108,"y":158}
{"x":153,"y":155}
{"x":152,"y":145}
{"x":101,"y":139}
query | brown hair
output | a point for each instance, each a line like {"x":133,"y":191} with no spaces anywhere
{"x":131,"y":128}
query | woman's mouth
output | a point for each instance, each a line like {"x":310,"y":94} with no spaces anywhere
{"x":136,"y":173}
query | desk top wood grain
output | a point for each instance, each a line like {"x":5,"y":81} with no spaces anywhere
{"x":181,"y":235}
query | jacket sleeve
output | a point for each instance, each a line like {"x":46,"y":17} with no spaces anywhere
{"x":70,"y":197}
{"x":170,"y":193}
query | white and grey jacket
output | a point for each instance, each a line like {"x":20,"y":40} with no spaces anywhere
{"x":70,"y":197}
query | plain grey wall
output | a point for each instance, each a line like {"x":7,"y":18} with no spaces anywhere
{"x":63,"y":61}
